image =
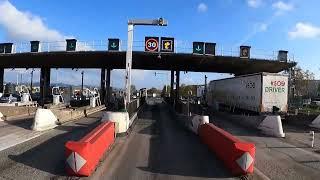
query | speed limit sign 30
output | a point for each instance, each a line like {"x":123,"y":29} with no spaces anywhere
{"x":151,"y":44}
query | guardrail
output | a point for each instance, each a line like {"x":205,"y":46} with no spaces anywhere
{"x":180,"y":47}
{"x":133,"y":106}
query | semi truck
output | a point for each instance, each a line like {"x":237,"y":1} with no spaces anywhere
{"x":260,"y":92}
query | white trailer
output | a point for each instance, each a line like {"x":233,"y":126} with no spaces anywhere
{"x":254,"y":92}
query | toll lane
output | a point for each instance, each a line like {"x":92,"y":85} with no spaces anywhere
{"x":159,"y":148}
{"x":276,"y":158}
{"x":43,"y":157}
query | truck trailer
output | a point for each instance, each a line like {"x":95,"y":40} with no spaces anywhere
{"x":260,"y":92}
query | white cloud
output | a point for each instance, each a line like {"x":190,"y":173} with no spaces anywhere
{"x":254,"y":3}
{"x":304,"y":30}
{"x":202,"y":7}
{"x":25,"y":26}
{"x":263,"y":27}
{"x":282,"y":6}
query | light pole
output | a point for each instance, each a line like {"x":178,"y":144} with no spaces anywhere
{"x":82,"y":73}
{"x":31,"y":82}
{"x":131,"y":24}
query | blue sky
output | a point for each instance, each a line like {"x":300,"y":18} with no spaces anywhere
{"x":266,"y":25}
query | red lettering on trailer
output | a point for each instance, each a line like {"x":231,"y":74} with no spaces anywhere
{"x":278,"y":83}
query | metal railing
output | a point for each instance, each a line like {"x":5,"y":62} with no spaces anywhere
{"x":180,"y":47}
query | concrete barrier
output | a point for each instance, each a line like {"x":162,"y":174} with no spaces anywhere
{"x":268,"y":124}
{"x":83,"y":156}
{"x":44,"y":120}
{"x":13,"y":111}
{"x":237,"y":156}
{"x":316,"y":122}
{"x":65,"y":115}
{"x":121,"y":120}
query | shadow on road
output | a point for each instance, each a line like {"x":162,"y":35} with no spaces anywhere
{"x":23,"y":123}
{"x":176,"y":151}
{"x":49,"y":156}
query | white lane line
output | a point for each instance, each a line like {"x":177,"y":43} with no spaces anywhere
{"x":260,"y":174}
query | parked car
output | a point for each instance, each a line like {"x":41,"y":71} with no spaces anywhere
{"x":10,"y":98}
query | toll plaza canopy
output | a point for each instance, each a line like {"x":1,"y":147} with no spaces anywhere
{"x":143,"y":60}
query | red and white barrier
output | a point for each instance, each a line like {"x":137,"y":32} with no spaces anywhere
{"x":238,"y":156}
{"x":83,"y":156}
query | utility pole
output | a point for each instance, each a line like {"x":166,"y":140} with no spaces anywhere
{"x":31,"y":82}
{"x":82,"y":72}
{"x":205,"y":88}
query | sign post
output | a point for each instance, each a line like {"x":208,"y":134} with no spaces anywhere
{"x":151,"y":44}
{"x":71,"y":44}
{"x":210,"y":49}
{"x":198,"y":47}
{"x":113,"y":44}
{"x":245,"y":52}
{"x":167,"y":44}
{"x":35,"y":46}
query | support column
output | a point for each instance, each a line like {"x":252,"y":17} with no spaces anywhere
{"x":171,"y":86}
{"x":44,"y":84}
{"x":103,"y":86}
{"x":177,"y":86}
{"x":1,"y":79}
{"x":108,"y":86}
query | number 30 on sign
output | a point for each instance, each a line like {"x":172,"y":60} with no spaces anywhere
{"x":151,"y":44}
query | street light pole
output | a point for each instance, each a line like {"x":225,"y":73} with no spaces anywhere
{"x":82,"y":85}
{"x":31,"y":83}
{"x":131,"y":24}
{"x":128,"y":65}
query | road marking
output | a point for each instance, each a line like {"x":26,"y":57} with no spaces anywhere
{"x":260,"y":174}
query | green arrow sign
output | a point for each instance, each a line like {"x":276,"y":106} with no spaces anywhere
{"x":34,"y":46}
{"x":71,"y":44}
{"x":114,"y":45}
{"x":198,"y":47}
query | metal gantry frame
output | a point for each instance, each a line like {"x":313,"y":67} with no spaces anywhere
{"x":131,"y":24}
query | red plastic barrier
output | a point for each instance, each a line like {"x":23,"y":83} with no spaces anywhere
{"x":237,"y":155}
{"x":84,"y":155}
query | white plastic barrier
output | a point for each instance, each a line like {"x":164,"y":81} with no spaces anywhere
{"x":272,"y":125}
{"x":316,"y":122}
{"x":268,"y":124}
{"x":120,"y":118}
{"x":44,"y":119}
{"x":92,"y":102}
{"x":25,"y":97}
{"x":56,"y":99}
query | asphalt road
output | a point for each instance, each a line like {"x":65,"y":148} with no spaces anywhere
{"x":277,"y":158}
{"x":43,"y":157}
{"x":159,"y":148}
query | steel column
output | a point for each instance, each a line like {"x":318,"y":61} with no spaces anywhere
{"x":44,"y":84}
{"x":108,"y":86}
{"x":103,"y":86}
{"x":1,"y":79}
{"x":177,"y":86}
{"x":171,"y":85}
